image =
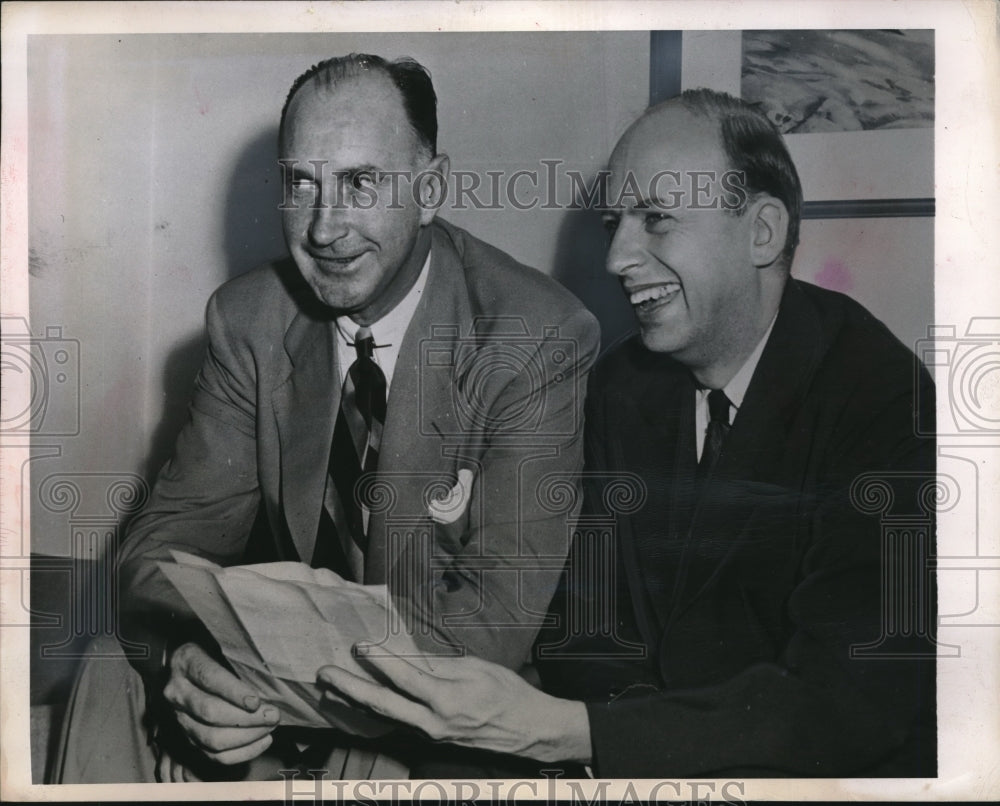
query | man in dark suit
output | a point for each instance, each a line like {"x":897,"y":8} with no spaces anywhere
{"x":459,"y":368}
{"x":761,"y":626}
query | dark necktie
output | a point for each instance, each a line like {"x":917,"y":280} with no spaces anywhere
{"x":715,"y":434}
{"x":354,"y":451}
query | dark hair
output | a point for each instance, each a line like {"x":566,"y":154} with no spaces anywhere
{"x":754,"y":147}
{"x":411,"y":78}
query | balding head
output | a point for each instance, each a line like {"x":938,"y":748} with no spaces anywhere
{"x":752,"y":145}
{"x":701,"y":250}
{"x":409,"y":77}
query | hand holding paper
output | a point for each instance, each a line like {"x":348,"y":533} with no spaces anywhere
{"x":279,"y":623}
{"x":220,"y":713}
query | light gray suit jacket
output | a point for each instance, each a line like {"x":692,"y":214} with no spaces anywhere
{"x":490,"y":377}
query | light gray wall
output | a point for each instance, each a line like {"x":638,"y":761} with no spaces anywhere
{"x":152,"y":181}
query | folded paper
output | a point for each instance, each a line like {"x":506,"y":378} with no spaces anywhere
{"x":278,"y":623}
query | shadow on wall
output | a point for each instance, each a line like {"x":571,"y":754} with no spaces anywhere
{"x":179,"y":373}
{"x":253,"y":221}
{"x":579,"y":265}
{"x":252,"y":235}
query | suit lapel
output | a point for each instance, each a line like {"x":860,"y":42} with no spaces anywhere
{"x":305,"y":407}
{"x":656,"y":407}
{"x":751,"y":473}
{"x":420,"y":407}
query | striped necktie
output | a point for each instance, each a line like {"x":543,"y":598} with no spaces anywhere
{"x":354,"y":452}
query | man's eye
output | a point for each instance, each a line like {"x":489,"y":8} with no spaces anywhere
{"x":611,"y":225}
{"x":657,"y":222}
{"x":363,"y":179}
{"x":303,"y":185}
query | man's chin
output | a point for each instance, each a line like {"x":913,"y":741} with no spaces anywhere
{"x":336,"y":299}
{"x":344,"y":291}
{"x":660,"y":340}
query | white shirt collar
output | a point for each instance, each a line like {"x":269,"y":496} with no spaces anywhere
{"x":388,"y":331}
{"x":737,"y":387}
{"x":735,"y":390}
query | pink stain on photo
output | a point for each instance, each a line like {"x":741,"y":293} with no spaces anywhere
{"x":203,"y":106}
{"x":835,"y":275}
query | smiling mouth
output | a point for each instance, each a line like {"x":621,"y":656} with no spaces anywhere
{"x":336,"y":263}
{"x":649,"y":297}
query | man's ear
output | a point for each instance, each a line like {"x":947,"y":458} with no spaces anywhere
{"x":430,"y":189}
{"x":770,"y":228}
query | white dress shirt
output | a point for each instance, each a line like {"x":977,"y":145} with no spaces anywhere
{"x":735,"y":390}
{"x":388,"y":332}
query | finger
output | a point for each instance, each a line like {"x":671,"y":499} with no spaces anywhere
{"x":163,"y":769}
{"x":215,"y":739}
{"x":241,"y":754}
{"x":169,"y":771}
{"x":198,"y":667}
{"x":419,"y":682}
{"x":187,"y":776}
{"x":383,"y":701}
{"x":177,"y":771}
{"x":211,"y":710}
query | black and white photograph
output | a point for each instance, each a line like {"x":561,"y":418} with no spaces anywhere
{"x":580,"y":401}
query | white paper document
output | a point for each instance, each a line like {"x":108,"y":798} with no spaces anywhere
{"x":278,"y":623}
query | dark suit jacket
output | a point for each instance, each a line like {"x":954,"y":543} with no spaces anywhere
{"x":747,"y":602}
{"x":490,"y":377}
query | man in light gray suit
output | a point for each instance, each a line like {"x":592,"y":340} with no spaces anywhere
{"x":458,"y":367}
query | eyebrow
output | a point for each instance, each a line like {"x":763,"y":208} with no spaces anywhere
{"x":359,"y":169}
{"x":301,"y":173}
{"x":655,"y":203}
{"x":643,"y":204}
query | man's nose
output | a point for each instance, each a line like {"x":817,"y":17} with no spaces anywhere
{"x":328,"y":223}
{"x":624,"y":251}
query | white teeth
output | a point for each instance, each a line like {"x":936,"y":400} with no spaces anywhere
{"x":654,"y":293}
